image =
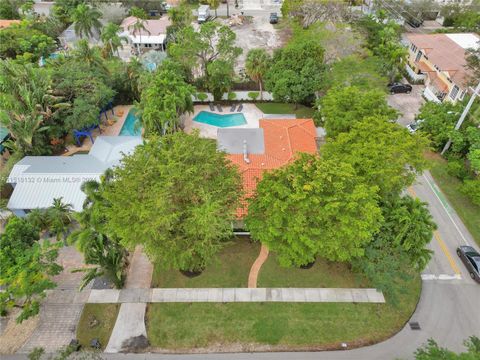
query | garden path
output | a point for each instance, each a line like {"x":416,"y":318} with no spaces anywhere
{"x":257,"y":265}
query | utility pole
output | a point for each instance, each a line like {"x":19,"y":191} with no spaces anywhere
{"x":462,"y":117}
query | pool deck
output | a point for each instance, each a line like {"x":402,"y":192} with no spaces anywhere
{"x":108,"y":130}
{"x":250,"y":111}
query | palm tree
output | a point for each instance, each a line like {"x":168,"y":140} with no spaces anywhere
{"x":98,"y":248}
{"x":83,"y":53}
{"x":38,"y":218}
{"x":59,"y":217}
{"x":26,"y":102}
{"x":86,"y":18}
{"x":137,"y":27}
{"x":111,"y":40}
{"x":256,"y":66}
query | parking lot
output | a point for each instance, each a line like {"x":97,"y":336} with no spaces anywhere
{"x":407,"y":104}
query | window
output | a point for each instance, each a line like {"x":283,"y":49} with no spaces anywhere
{"x":454,"y":92}
{"x":419,"y":56}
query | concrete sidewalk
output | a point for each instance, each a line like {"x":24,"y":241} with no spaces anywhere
{"x":237,"y":295}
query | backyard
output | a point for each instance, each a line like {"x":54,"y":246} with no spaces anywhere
{"x":301,"y":111}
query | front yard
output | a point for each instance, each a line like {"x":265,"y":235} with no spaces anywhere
{"x":263,"y":326}
{"x":276,"y":326}
{"x":97,"y":322}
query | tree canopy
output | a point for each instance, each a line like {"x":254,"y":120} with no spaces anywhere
{"x":164,"y":99}
{"x":314,"y":207}
{"x":296,"y":72}
{"x":26,"y":267}
{"x":431,"y":351}
{"x":342,"y":107}
{"x":256,"y":66}
{"x":382,"y":153}
{"x":181,"y":194}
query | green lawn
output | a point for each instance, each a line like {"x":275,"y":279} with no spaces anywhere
{"x":450,"y":186}
{"x":302,"y":112}
{"x":322,"y":274}
{"x":230,"y":270}
{"x":97,"y":321}
{"x":184,"y":326}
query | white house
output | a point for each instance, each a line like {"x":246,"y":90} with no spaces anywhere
{"x":153,"y":36}
{"x":38,"y":180}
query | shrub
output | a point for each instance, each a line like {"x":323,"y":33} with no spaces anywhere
{"x":232,"y":96}
{"x":253,"y":95}
{"x":456,"y":167}
{"x":202,"y":96}
{"x":471,"y":188}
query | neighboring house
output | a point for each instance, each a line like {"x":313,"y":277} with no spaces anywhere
{"x":68,"y":38}
{"x":274,"y":144}
{"x":43,"y":8}
{"x":153,"y":37}
{"x":7,"y":23}
{"x":441,"y":58}
{"x":38,"y":180}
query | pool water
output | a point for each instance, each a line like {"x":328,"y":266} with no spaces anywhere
{"x":227,"y":120}
{"x":131,"y":126}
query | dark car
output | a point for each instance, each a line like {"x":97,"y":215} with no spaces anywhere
{"x":273,"y":18}
{"x":397,"y":88}
{"x":471,"y":259}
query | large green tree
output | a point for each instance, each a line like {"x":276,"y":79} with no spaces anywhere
{"x":176,"y":196}
{"x":342,"y":107}
{"x":86,"y":19}
{"x":383,"y":153}
{"x":296,"y":72}
{"x":111,"y":39}
{"x":195,"y":50}
{"x":314,"y":207}
{"x":164,"y":99}
{"x":26,"y":268}
{"x":256,"y":66}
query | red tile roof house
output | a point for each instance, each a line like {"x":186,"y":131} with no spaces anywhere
{"x":274,"y":144}
{"x":441,"y":58}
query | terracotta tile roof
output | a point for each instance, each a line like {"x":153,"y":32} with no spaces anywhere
{"x":6,"y":23}
{"x":442,"y":51}
{"x":438,"y":82}
{"x":283,"y":140}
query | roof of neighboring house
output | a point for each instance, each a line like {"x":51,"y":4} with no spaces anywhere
{"x":40,"y":179}
{"x":6,"y":23}
{"x":282,"y":140}
{"x":69,"y":36}
{"x":154,"y":27}
{"x":447,"y":51}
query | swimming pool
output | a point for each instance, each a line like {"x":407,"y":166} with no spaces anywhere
{"x":131,"y":126}
{"x":227,"y":120}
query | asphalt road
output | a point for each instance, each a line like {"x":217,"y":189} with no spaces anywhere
{"x":448,"y":310}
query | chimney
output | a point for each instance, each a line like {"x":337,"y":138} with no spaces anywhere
{"x":245,"y":152}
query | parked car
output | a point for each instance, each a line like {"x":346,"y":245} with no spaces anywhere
{"x":471,"y":259}
{"x":397,"y":88}
{"x":273,"y":18}
{"x":412,"y":127}
{"x":203,"y":13}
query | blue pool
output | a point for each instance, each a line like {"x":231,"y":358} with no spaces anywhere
{"x":227,"y":120}
{"x":131,"y":126}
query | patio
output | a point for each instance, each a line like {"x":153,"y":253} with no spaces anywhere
{"x":250,"y":111}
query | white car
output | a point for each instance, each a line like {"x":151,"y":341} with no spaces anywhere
{"x":413,"y":127}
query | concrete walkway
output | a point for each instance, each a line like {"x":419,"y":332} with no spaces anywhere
{"x":257,"y":265}
{"x":224,"y":295}
{"x":130,"y":321}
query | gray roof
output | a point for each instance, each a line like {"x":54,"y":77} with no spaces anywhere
{"x":279,"y":116}
{"x":232,"y":140}
{"x":40,"y":179}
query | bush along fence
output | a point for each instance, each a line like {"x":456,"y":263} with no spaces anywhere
{"x":234,"y":96}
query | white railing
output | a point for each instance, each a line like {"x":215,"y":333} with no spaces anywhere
{"x":239,"y":96}
{"x":414,"y":75}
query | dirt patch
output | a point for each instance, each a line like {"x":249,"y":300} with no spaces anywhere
{"x":15,"y":335}
{"x":255,"y":32}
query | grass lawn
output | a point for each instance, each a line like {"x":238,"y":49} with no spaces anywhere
{"x":230,"y":270}
{"x":302,"y":112}
{"x":97,"y":321}
{"x":450,"y":186}
{"x":244,"y":326}
{"x":322,"y":274}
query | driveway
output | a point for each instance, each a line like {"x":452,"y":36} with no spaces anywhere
{"x":407,"y":104}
